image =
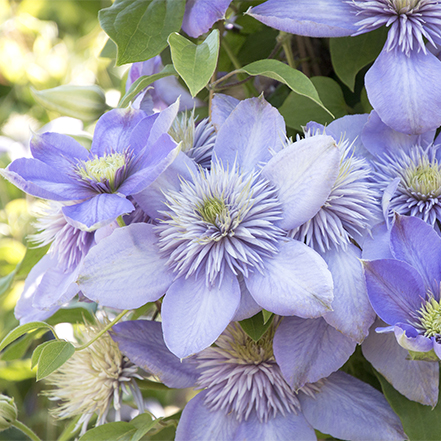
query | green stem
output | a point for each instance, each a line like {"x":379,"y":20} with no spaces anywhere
{"x":103,"y":331}
{"x":285,"y":39}
{"x":26,"y":430}
{"x":250,"y":90}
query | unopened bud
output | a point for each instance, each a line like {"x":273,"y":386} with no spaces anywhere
{"x":8,"y":412}
{"x":86,"y":103}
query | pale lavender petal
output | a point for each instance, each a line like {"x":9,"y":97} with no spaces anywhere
{"x":312,"y":18}
{"x":247,"y":306}
{"x":194,"y":314}
{"x":349,"y":127}
{"x":97,"y":211}
{"x":114,"y":129}
{"x":437,"y":348}
{"x":152,"y":162}
{"x":200,"y":15}
{"x":304,"y":174}
{"x":398,"y":95}
{"x":39,"y":179}
{"x":347,"y":408}
{"x":163,"y":122}
{"x":282,"y":427}
{"x":125,"y":270}
{"x":395,"y":289}
{"x":152,"y":198}
{"x":414,"y":241}
{"x":409,"y":339}
{"x":222,"y":106}
{"x":57,"y":150}
{"x":56,"y":288}
{"x":250,"y":134}
{"x":352,"y":312}
{"x":143,"y":343}
{"x":169,"y":89}
{"x":309,"y":349}
{"x":198,"y":423}
{"x":376,"y":246}
{"x":380,"y":139}
{"x":296,"y":282}
{"x":25,"y":311}
{"x":415,"y":379}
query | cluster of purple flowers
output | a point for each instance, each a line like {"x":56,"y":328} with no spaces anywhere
{"x":221,"y":219}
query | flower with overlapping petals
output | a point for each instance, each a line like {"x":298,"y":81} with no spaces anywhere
{"x":402,"y":85}
{"x":129,"y":151}
{"x":219,"y":249}
{"x":282,"y":386}
{"x":405,"y":293}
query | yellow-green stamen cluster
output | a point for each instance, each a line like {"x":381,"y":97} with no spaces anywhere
{"x":102,"y":168}
{"x":424,"y":178}
{"x":211,"y":209}
{"x":430,"y":317}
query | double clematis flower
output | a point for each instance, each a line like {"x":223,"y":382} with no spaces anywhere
{"x":282,"y":386}
{"x":394,"y":82}
{"x":405,"y":293}
{"x":218,"y":247}
{"x":129,"y":151}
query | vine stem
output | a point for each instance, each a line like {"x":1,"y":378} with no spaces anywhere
{"x":26,"y":430}
{"x":103,"y":331}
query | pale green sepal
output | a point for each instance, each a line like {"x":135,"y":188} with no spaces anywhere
{"x":423,"y":356}
{"x":8,"y":412}
{"x":86,"y":103}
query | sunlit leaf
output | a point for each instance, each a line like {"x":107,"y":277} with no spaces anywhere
{"x":53,"y":356}
{"x":195,"y":63}
{"x":140,"y":28}
{"x":294,"y":79}
{"x":21,"y":330}
{"x":116,"y":431}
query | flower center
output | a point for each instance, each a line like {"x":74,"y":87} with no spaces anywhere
{"x":423,"y":178}
{"x":221,"y":219}
{"x":102,"y":169}
{"x":241,"y":376}
{"x":403,"y":6}
{"x":430,"y":317}
{"x":213,"y":209}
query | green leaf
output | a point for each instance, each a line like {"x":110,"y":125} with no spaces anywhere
{"x":32,"y":256}
{"x":142,"y":82}
{"x":143,"y":423}
{"x":18,"y":348}
{"x":350,"y":54}
{"x":266,"y":315}
{"x":419,"y":422}
{"x":109,"y":50}
{"x":298,"y":110}
{"x":255,"y":326}
{"x":37,"y":352}
{"x":21,"y":330}
{"x":117,"y":431}
{"x":6,"y":282}
{"x":53,"y":356}
{"x":195,"y":63}
{"x":294,"y":79}
{"x":71,"y":315}
{"x":140,"y":27}
{"x":70,"y":430}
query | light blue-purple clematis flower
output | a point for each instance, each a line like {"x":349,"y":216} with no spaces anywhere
{"x":405,"y":293}
{"x":129,"y":151}
{"x":408,"y":176}
{"x":346,"y":217}
{"x":403,"y":84}
{"x":246,"y":393}
{"x":219,"y":249}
